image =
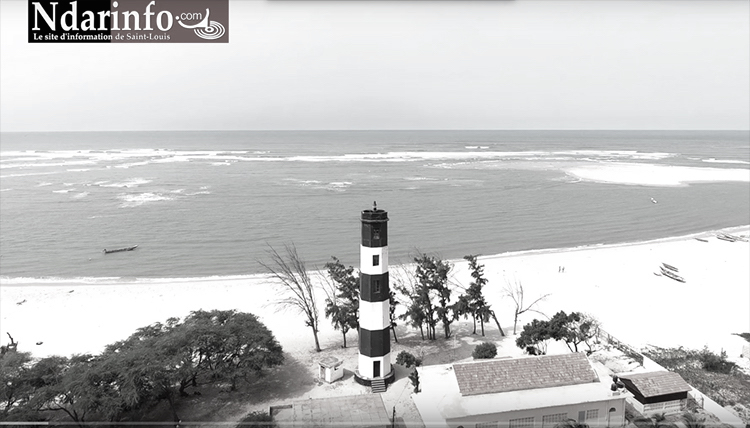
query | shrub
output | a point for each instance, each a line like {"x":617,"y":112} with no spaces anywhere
{"x":414,"y":378}
{"x":484,"y":350}
{"x":263,"y":419}
{"x":715,"y":363}
{"x":407,"y":360}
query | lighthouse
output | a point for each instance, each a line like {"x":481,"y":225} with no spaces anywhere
{"x":374,"y":316}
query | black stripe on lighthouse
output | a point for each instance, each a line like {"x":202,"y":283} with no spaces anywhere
{"x":374,"y":343}
{"x":373,"y":288}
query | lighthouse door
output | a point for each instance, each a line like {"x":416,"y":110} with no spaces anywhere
{"x":376,"y":369}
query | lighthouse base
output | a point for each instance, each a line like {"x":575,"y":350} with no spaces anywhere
{"x":389,"y":378}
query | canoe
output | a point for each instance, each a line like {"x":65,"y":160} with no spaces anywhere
{"x":117,"y":250}
{"x":670,"y":274}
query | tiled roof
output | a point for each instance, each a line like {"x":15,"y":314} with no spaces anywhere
{"x":653,"y":384}
{"x":515,"y":374}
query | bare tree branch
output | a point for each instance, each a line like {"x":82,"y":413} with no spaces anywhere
{"x":516,"y":292}
{"x":298,"y":288}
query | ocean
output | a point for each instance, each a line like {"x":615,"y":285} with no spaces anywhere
{"x":211,"y":204}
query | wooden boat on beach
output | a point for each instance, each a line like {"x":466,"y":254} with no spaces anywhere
{"x":730,"y":238}
{"x":670,"y":267}
{"x":724,"y":237}
{"x":701,"y":239}
{"x":671,"y":274}
{"x":119,"y":250}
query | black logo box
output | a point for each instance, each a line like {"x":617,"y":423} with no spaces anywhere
{"x":128,"y":21}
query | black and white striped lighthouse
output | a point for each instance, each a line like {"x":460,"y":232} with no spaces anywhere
{"x":374,"y":317}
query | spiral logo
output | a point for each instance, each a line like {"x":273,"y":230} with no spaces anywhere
{"x":211,"y":32}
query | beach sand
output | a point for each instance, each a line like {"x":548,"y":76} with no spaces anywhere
{"x":614,"y":283}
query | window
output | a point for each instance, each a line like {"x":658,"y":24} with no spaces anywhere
{"x":550,"y":420}
{"x":486,"y":425}
{"x":376,"y":286}
{"x":521,"y":423}
{"x":592,"y":414}
{"x":376,"y":260}
{"x":376,"y":232}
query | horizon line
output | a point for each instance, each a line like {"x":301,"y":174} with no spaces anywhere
{"x":390,"y":130}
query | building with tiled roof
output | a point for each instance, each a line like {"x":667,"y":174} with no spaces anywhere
{"x":657,"y":392}
{"x":533,"y":391}
{"x":515,"y":374}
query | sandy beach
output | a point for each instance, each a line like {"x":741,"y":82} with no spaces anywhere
{"x":615,"y":283}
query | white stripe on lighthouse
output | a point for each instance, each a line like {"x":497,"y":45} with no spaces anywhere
{"x":374,"y":316}
{"x":366,"y":365}
{"x":366,"y":260}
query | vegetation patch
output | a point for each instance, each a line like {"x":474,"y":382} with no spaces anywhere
{"x":710,"y":373}
{"x":158,"y":363}
{"x":485,"y":350}
{"x":257,"y":419}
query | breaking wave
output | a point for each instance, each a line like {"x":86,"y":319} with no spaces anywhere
{"x":130,"y":200}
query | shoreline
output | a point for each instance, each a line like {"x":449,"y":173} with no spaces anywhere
{"x":106,"y":281}
{"x":615,"y":283}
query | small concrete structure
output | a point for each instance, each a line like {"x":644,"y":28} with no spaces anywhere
{"x":361,"y":411}
{"x":330,"y":369}
{"x":657,"y":392}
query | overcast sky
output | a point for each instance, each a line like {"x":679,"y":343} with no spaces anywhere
{"x":345,"y":64}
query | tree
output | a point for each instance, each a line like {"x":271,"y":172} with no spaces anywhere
{"x":473,"y":302}
{"x":77,"y":389}
{"x":432,"y":276}
{"x":290,"y":271}
{"x":691,"y":420}
{"x":534,"y":337}
{"x":658,"y":420}
{"x":342,"y":297}
{"x":568,"y":328}
{"x":233,"y":344}
{"x":571,"y":423}
{"x":484,"y":350}
{"x":392,"y":303}
{"x":15,"y":385}
{"x":151,"y":365}
{"x":11,"y":347}
{"x":574,"y":328}
{"x":405,"y":283}
{"x":516,"y":292}
{"x":159,"y":361}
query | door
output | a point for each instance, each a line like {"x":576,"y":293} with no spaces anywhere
{"x":376,"y":369}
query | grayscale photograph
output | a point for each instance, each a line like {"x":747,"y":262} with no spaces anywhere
{"x":375,"y":213}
